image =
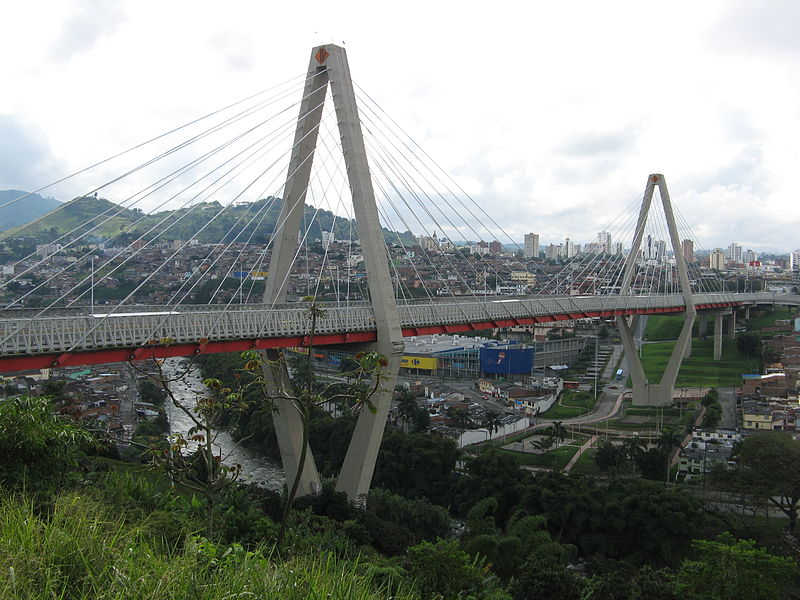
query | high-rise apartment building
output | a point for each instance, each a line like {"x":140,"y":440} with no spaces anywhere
{"x":495,"y":247}
{"x":660,"y":247}
{"x":604,"y":240}
{"x":553,"y":252}
{"x":734,"y":253}
{"x":569,"y":249}
{"x":531,"y":245}
{"x":687,"y":249}
{"x":716,"y":260}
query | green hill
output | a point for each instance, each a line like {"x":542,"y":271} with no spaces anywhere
{"x":205,"y":222}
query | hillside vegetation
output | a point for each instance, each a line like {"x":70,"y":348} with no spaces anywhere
{"x":207,"y":222}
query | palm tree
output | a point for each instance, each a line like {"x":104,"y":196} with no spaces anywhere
{"x":491,"y":421}
{"x":633,"y":448}
{"x":459,"y":417}
{"x":407,"y":409}
{"x":558,"y":432}
{"x":668,"y":440}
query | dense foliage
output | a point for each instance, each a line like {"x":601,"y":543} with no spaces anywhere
{"x":120,"y":530}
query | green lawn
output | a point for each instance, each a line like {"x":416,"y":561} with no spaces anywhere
{"x":663,"y":327}
{"x":701,"y":370}
{"x":570,"y":404}
{"x":555,"y":459}
{"x":768,"y":319}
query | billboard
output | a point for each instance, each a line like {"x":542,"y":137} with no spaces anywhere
{"x":419,"y":362}
{"x":505,"y":361}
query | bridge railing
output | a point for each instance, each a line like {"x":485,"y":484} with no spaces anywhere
{"x":69,"y":330}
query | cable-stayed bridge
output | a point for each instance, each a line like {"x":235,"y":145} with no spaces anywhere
{"x":223,"y":227}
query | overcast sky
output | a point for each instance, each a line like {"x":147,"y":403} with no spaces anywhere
{"x":551,"y":113}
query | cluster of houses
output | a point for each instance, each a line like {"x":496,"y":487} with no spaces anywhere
{"x":104,"y":395}
{"x":766,"y":402}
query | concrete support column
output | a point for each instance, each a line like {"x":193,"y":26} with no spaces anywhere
{"x":746,"y":313}
{"x":732,"y":325}
{"x":688,"y":352}
{"x":635,"y":369}
{"x":703,"y":329}
{"x":718,"y":335}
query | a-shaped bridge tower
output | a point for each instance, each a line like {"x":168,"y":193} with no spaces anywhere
{"x":644,"y":392}
{"x":328,"y":67}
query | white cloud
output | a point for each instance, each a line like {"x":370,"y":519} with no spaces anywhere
{"x":550,"y":114}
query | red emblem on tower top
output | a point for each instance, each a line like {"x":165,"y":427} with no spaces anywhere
{"x":322,"y":55}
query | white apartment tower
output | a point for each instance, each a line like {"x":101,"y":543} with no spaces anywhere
{"x":531,"y":245}
{"x":716,"y":260}
{"x":569,"y":248}
{"x":734,"y":253}
{"x":604,"y":241}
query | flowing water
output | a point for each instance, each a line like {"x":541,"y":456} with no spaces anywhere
{"x":255,"y":468}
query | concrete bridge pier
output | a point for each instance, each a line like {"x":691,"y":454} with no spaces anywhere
{"x":732,"y":325}
{"x":703,"y":325}
{"x":719,"y":315}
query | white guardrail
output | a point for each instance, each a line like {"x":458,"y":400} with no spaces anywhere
{"x":24,"y":332}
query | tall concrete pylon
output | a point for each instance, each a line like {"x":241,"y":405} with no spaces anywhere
{"x":644,"y":392}
{"x":328,"y":67}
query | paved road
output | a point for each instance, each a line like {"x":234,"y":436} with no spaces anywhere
{"x":727,"y":398}
{"x":608,"y":406}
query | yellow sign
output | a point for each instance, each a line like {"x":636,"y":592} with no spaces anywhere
{"x":419,"y":362}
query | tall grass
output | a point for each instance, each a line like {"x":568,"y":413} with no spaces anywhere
{"x":78,"y":549}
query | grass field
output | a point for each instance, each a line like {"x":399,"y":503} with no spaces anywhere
{"x":701,"y":370}
{"x":662,"y":328}
{"x":768,"y":319}
{"x":555,"y":459}
{"x":570,"y":404}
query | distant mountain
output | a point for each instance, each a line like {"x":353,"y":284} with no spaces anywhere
{"x":25,"y":210}
{"x":205,"y":222}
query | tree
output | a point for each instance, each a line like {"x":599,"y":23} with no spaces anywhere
{"x":730,"y":569}
{"x":545,"y":579}
{"x":417,"y":466}
{"x":459,"y":417}
{"x":667,"y":442}
{"x":632,"y":448}
{"x":407,"y":409}
{"x":443,"y":570}
{"x":38,"y":447}
{"x":558,"y":432}
{"x":767,"y":465}
{"x":608,"y":456}
{"x":524,"y":537}
{"x":713,"y":415}
{"x":491,"y":421}
{"x":749,"y":344}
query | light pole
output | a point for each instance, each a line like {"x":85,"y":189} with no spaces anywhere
{"x":596,"y":367}
{"x":91,"y":289}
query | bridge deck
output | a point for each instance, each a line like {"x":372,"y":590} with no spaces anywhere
{"x":73,"y":336}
